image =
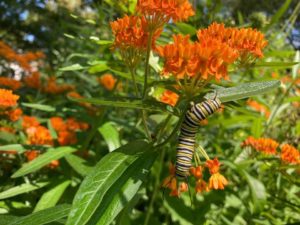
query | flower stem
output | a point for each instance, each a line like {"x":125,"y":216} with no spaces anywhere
{"x":147,"y":68}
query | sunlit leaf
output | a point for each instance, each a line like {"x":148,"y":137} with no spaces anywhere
{"x":72,"y":67}
{"x":78,"y":164}
{"x":41,"y":107}
{"x":110,"y":135}
{"x":276,"y":64}
{"x":43,"y":160}
{"x":21,"y":189}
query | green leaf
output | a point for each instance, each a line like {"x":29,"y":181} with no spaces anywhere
{"x":43,"y":160}
{"x":78,"y":164}
{"x":104,"y":175}
{"x":127,"y":103}
{"x":185,"y":28}
{"x":276,"y":64}
{"x":16,"y":147}
{"x":243,"y":91}
{"x":258,"y":191}
{"x":20,"y":189}
{"x":72,"y":67}
{"x":46,"y":108}
{"x":256,"y":128}
{"x":110,"y":135}
{"x":51,"y":197}
{"x":44,"y":216}
{"x":123,"y":190}
{"x":7,"y":219}
{"x":104,"y":42}
{"x":280,"y":12}
{"x":98,"y":68}
{"x":128,"y":76}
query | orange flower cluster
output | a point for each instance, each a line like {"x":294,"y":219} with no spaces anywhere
{"x":290,"y":154}
{"x":7,"y":99}
{"x":53,"y":87}
{"x":107,"y":81}
{"x":216,"y":180}
{"x":29,"y":121}
{"x":14,"y":114}
{"x":66,"y":131}
{"x":265,"y":145}
{"x":10,"y":83}
{"x":208,"y":58}
{"x":131,"y":32}
{"x":33,"y":80}
{"x":39,"y":135}
{"x":169,"y":97}
{"x":22,"y":59}
{"x":171,"y":183}
{"x":245,"y":40}
{"x":259,"y":107}
{"x":159,"y":12}
{"x":201,"y":60}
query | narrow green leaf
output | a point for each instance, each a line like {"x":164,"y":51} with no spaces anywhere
{"x":16,"y":147}
{"x":43,"y":160}
{"x":110,"y":135}
{"x":104,"y":42}
{"x":72,"y":67}
{"x":276,"y":64}
{"x":256,"y":128}
{"x":7,"y":219}
{"x":21,"y":189}
{"x":98,"y":68}
{"x":280,"y":12}
{"x":127,"y":103}
{"x":279,"y":53}
{"x":78,"y":164}
{"x":51,"y":197}
{"x":44,"y":216}
{"x":244,"y":90}
{"x":104,"y":175}
{"x":296,"y":67}
{"x":123,"y":190}
{"x":46,"y":108}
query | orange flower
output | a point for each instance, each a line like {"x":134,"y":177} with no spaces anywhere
{"x":205,"y":60}
{"x":159,"y":12}
{"x":74,"y":125}
{"x":15,"y":114}
{"x":213,"y":165}
{"x":265,"y":145}
{"x":29,"y":121}
{"x":53,"y":88}
{"x":39,"y":136}
{"x":290,"y":154}
{"x":217,"y":181}
{"x":33,"y":80}
{"x":169,"y":97}
{"x":53,"y":164}
{"x":74,"y":94}
{"x":196,"y":171}
{"x":58,"y":124}
{"x":10,"y":83}
{"x":31,"y":155}
{"x":259,"y":107}
{"x":247,"y":41}
{"x":67,"y":138}
{"x":7,"y":98}
{"x":107,"y":81}
{"x":201,"y":186}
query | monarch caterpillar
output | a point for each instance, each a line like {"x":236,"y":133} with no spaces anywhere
{"x":186,"y":140}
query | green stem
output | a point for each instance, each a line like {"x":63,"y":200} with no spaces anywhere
{"x":147,"y":66}
{"x":132,"y":71}
{"x":156,"y":187}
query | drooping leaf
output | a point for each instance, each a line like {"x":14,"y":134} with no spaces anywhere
{"x":41,"y":107}
{"x":16,"y":147}
{"x":44,"y":216}
{"x":243,"y":91}
{"x":98,"y":68}
{"x":21,"y":189}
{"x":43,"y":160}
{"x":104,"y":175}
{"x":110,"y":135}
{"x":186,"y":28}
{"x":51,"y":197}
{"x":78,"y":164}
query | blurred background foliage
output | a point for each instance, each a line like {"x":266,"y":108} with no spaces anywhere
{"x":72,"y":35}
